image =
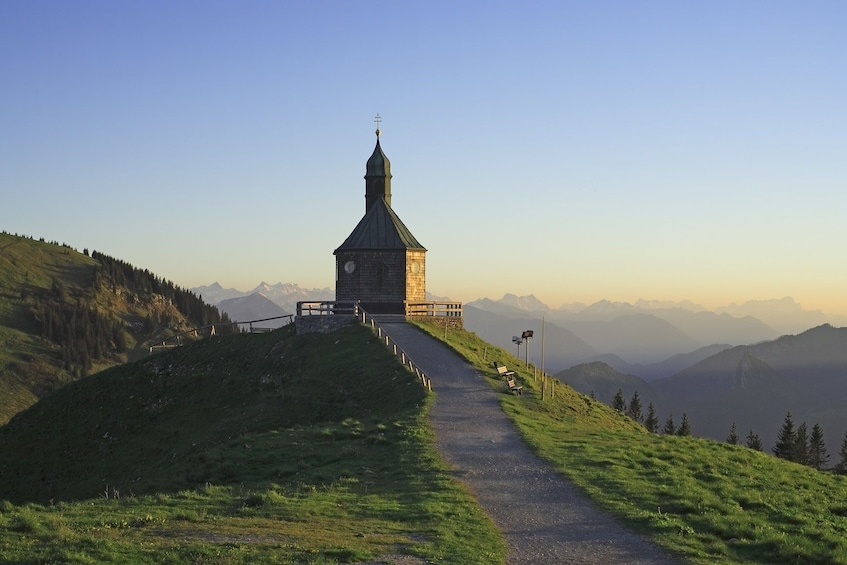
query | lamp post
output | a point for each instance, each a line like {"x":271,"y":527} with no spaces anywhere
{"x":518,"y":341}
{"x":526,"y":336}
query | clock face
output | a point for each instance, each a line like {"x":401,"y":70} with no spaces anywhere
{"x":416,"y":267}
{"x":349,"y":267}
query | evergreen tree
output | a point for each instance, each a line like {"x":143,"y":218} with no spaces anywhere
{"x":732,"y":438}
{"x":818,"y":457}
{"x":669,"y":428}
{"x":754,"y":442}
{"x":651,"y":422}
{"x":684,"y":427}
{"x":801,"y":445}
{"x":618,"y":403}
{"x":842,"y":462}
{"x":634,"y":410}
{"x":786,"y":441}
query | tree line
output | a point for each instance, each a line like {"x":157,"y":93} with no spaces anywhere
{"x":121,"y":273}
{"x":796,"y":444}
{"x":650,"y":421}
{"x":86,"y":334}
{"x":83,"y":334}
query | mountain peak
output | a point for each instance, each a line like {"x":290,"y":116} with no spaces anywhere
{"x":529,"y":303}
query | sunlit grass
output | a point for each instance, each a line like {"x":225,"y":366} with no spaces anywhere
{"x":709,"y":501}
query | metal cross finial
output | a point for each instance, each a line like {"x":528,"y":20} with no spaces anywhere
{"x":378,"y":121}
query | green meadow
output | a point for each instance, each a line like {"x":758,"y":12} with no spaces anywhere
{"x":277,"y":448}
{"x":264,"y":448}
{"x":710,"y":501}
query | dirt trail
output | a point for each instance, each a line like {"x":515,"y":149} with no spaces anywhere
{"x":544,"y":518}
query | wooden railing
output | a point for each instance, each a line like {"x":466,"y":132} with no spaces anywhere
{"x":398,"y":352}
{"x":176,"y":340}
{"x":327,"y":308}
{"x":430,"y":309}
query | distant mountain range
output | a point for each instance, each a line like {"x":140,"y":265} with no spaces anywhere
{"x":652,"y":339}
{"x":751,"y":385}
{"x":264,"y":301}
{"x":645,"y":338}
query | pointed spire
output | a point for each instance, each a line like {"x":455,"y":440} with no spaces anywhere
{"x":377,"y":174}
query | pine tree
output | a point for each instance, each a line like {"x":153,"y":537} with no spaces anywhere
{"x":669,"y":428}
{"x":634,"y":410}
{"x":801,"y":445}
{"x":732,"y":438}
{"x":651,"y":422}
{"x":842,"y":462}
{"x":818,"y":457}
{"x":684,"y":427}
{"x":754,"y":442}
{"x":618,"y":402}
{"x":784,"y":448}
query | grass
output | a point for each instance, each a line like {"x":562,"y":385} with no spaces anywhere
{"x":708,"y":501}
{"x":276,"y":448}
{"x":264,"y":448}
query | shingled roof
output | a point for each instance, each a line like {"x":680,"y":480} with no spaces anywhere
{"x":380,"y":229}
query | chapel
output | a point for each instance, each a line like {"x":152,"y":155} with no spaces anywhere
{"x":380,"y":265}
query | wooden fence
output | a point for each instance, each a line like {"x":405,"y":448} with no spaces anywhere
{"x":369,"y":320}
{"x":315,"y":309}
{"x":434,"y":309}
{"x":176,"y":340}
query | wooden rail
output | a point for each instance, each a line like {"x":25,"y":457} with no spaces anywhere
{"x":398,"y":352}
{"x":176,"y":340}
{"x":434,"y":309}
{"x":327,"y":308}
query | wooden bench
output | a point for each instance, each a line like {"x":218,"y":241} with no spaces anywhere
{"x":504,"y":372}
{"x":514,"y":387}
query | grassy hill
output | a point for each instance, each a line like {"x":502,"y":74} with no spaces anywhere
{"x":601,"y":381}
{"x":316,"y":449}
{"x":709,"y":501}
{"x":65,"y":314}
{"x":268,"y":448}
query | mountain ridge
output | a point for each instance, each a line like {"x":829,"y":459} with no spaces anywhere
{"x":66,"y":314}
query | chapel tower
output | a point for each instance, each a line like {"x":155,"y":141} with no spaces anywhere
{"x":380,"y":265}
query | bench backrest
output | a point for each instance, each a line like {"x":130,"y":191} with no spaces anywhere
{"x":502,"y":370}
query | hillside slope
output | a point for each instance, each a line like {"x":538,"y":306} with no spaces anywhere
{"x":713,"y":502}
{"x":65,"y":314}
{"x":248,"y":448}
{"x":160,"y":424}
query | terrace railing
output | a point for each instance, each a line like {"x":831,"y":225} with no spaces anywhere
{"x":434,"y":309}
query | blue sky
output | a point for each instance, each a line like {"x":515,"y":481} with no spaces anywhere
{"x":577,"y":151}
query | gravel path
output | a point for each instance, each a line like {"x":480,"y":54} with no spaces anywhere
{"x":544,"y":518}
